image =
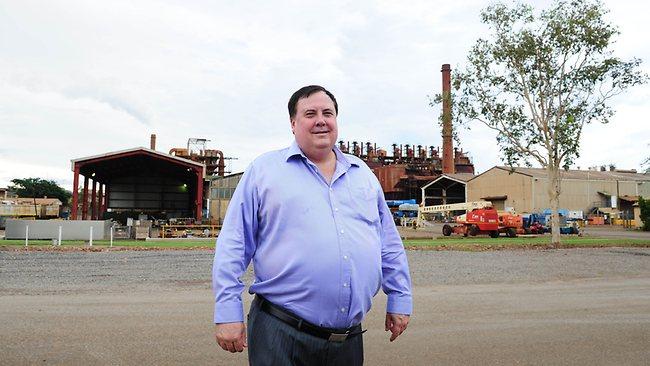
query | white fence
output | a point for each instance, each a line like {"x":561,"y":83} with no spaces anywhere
{"x":49,"y":229}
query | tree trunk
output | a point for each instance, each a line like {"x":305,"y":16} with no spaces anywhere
{"x":554,"y":197}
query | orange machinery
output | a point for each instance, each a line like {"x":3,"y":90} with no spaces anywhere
{"x":511,"y":224}
{"x":481,"y":219}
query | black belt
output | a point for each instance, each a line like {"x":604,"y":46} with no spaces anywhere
{"x":332,"y":335}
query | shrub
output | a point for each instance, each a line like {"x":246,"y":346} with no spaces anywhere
{"x":644,"y":205}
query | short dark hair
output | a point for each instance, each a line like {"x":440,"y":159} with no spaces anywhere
{"x":305,"y":92}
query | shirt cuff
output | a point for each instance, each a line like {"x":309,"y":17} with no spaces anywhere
{"x":232,"y":312}
{"x":399,"y":305}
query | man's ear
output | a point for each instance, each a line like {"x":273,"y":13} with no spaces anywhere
{"x":293,"y":125}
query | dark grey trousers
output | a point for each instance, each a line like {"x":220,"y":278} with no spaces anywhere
{"x":273,"y":342}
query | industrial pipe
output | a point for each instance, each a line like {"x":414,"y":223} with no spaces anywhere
{"x":447,"y":132}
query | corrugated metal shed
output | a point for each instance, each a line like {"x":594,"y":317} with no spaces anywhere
{"x":577,"y":174}
{"x":139,"y":180}
{"x":526,"y":189}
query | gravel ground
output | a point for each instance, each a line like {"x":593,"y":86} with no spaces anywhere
{"x":546,"y":307}
{"x":24,"y":272}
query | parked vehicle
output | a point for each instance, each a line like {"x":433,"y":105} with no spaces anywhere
{"x":533,"y":224}
{"x":511,"y":224}
{"x":481,"y":218}
{"x":480,"y":221}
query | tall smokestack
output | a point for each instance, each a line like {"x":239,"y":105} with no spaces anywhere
{"x":447,"y":138}
{"x":153,"y":141}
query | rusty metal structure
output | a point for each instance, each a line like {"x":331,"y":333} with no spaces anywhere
{"x":196,"y":150}
{"x":408,"y":167}
{"x":447,"y":132}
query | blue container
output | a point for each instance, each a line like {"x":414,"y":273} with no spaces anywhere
{"x":396,"y":203}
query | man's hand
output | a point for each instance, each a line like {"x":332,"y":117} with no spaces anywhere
{"x":397,"y":324}
{"x":231,"y":336}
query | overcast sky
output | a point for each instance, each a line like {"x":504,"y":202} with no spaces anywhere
{"x":80,"y":78}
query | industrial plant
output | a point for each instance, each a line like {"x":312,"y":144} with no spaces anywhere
{"x":186,"y":191}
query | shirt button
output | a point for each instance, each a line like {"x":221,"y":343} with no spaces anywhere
{"x":345,"y":257}
{"x":341,"y":231}
{"x":345,"y":284}
{"x":343,"y":310}
{"x":336,"y":209}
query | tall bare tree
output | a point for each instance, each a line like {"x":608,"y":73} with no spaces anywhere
{"x":539,"y":78}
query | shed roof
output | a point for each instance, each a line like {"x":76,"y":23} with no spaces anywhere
{"x":231,"y":175}
{"x":461,"y":178}
{"x":576,"y":174}
{"x":135,"y":149}
{"x":135,"y":160}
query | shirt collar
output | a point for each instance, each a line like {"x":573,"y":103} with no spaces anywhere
{"x":294,"y":150}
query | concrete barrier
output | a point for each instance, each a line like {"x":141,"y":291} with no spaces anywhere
{"x":49,"y":229}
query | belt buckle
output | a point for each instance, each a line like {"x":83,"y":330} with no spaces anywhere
{"x":338,"y":337}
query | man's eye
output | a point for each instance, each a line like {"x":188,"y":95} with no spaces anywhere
{"x":328,"y":114}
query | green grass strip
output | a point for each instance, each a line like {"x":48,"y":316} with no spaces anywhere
{"x":480,"y":244}
{"x":116,"y":243}
{"x":441,"y":243}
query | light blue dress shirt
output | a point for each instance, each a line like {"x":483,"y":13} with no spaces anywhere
{"x":320,"y":250}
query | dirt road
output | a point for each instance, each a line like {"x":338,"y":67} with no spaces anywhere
{"x":571,"y":307}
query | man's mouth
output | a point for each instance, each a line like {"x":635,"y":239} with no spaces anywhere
{"x":320,"y":132}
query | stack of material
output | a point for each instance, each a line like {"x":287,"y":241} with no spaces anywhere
{"x":39,"y":207}
{"x":142,"y":229}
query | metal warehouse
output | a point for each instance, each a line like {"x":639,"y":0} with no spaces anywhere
{"x":138,"y":180}
{"x":525,"y":189}
{"x":221,"y":191}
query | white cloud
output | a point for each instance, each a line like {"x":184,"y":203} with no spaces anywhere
{"x":81,"y":78}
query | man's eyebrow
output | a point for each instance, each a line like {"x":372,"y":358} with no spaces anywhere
{"x":313,"y":110}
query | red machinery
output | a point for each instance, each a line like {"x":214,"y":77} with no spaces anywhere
{"x":511,"y":224}
{"x":536,"y":228}
{"x":476,"y":222}
{"x":481,"y":219}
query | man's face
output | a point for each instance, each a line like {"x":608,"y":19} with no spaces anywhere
{"x":314,"y":124}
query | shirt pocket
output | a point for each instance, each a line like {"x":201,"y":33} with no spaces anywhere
{"x":365,"y":204}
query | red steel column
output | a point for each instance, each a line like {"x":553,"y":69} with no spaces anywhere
{"x":75,"y":193}
{"x":100,"y":204}
{"x":199,"y":193}
{"x":93,"y":202}
{"x":448,"y":166}
{"x":107,"y":195}
{"x":84,"y":204}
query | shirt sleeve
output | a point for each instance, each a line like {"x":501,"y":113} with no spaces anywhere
{"x":234,"y":249}
{"x":396,"y":281}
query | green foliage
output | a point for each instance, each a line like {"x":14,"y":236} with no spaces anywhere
{"x":644,"y":205}
{"x":38,"y":188}
{"x":540,"y":77}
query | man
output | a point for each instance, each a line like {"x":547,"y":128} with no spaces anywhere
{"x":322,"y":240}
